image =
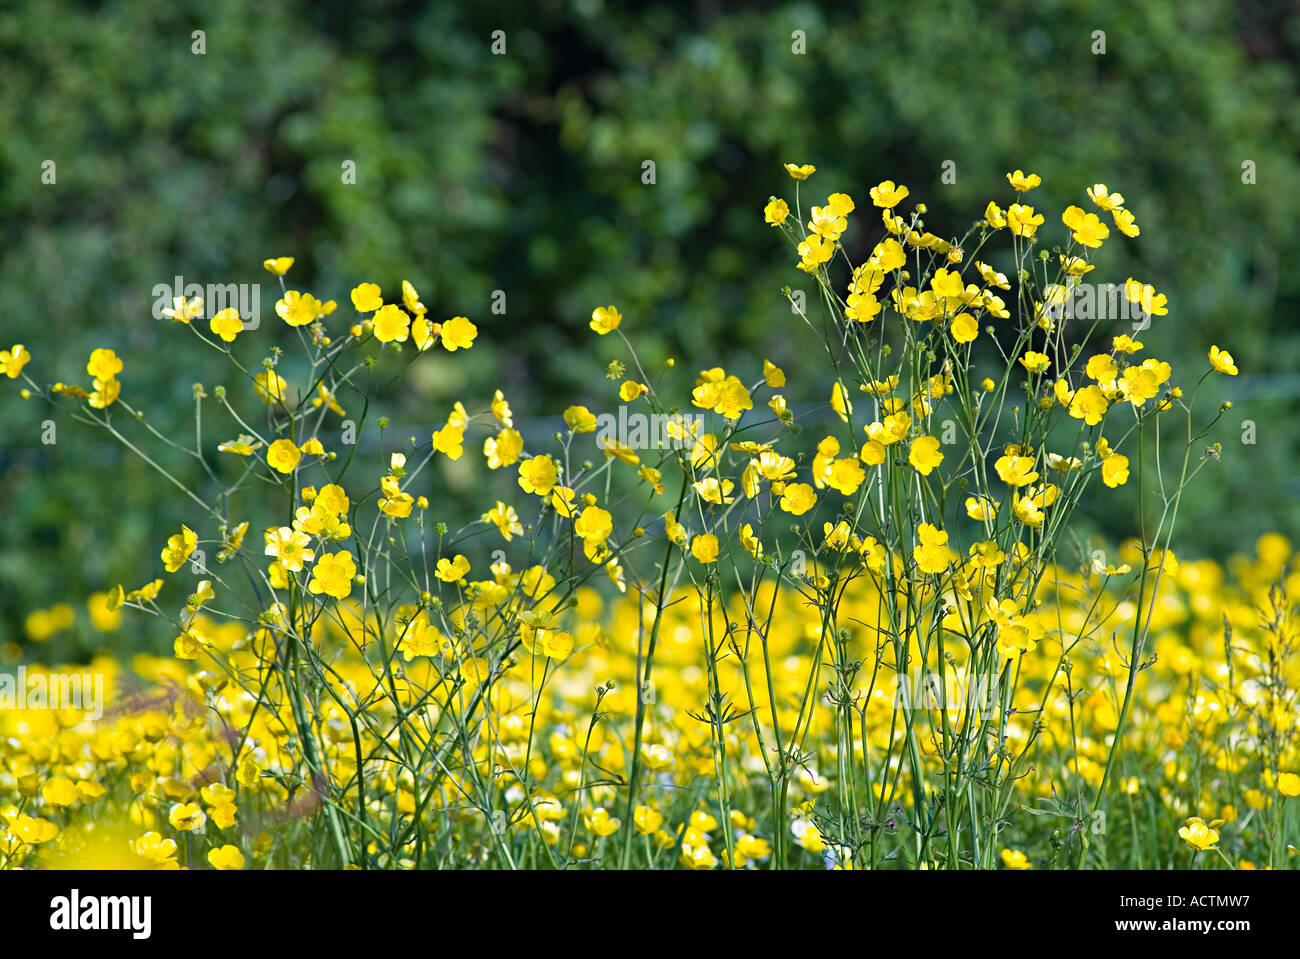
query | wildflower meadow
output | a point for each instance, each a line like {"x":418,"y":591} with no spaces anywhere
{"x":839,"y":604}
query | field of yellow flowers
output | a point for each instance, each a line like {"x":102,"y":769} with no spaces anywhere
{"x":715,"y":631}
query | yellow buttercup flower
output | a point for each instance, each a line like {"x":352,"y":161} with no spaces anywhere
{"x":580,"y":419}
{"x":289,"y":547}
{"x":1035,"y":362}
{"x":924,"y":454}
{"x":187,"y":817}
{"x":1022,"y":220}
{"x":887,"y":195}
{"x":178,"y":549}
{"x":226,"y":857}
{"x":227,"y":324}
{"x":1015,"y":859}
{"x":798,"y":498}
{"x":1198,"y":835}
{"x":1086,"y":228}
{"x":775,"y":213}
{"x":704,"y":548}
{"x":1023,"y":182}
{"x":103,"y":364}
{"x":283,"y":455}
{"x":1222,"y":361}
{"x":332,"y":575}
{"x":366,"y":297}
{"x":458,"y":333}
{"x":605,"y":319}
{"x":299,"y":309}
{"x":393,"y":325}
{"x":537,"y":475}
{"x":932,"y":554}
{"x":12,"y":361}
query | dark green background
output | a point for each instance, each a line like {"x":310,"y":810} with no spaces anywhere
{"x":523,"y":173}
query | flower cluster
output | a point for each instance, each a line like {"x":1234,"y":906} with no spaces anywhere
{"x":840,"y":632}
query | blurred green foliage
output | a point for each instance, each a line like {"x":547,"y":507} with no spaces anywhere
{"x":523,"y":173}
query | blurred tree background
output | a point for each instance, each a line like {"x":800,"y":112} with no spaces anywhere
{"x":522,"y":173}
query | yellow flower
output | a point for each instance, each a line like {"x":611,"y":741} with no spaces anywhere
{"x":178,"y":549}
{"x":1023,"y":220}
{"x":103,"y":364}
{"x":155,"y":848}
{"x":964,"y":328}
{"x":227,"y":324}
{"x":1087,"y":229}
{"x":269,"y":386}
{"x":1035,"y":362}
{"x":299,"y":309}
{"x":449,"y":441}
{"x":1222,"y":361}
{"x":33,"y":830}
{"x":1016,"y":469}
{"x":647,"y":820}
{"x":332,"y":575}
{"x":226,"y":857}
{"x":13,"y":361}
{"x":887,"y":195}
{"x":1288,"y":784}
{"x":601,"y":822}
{"x":580,"y":419}
{"x":981,"y":508}
{"x":279,"y":265}
{"x":283,"y":456}
{"x":458,"y":334}
{"x":1114,"y":470}
{"x":537,"y":475}
{"x":333,"y":497}
{"x":1103,"y":198}
{"x":452,"y":570}
{"x":101,"y":617}
{"x":727,"y":396}
{"x":845,"y":476}
{"x":289,"y":547}
{"x":59,"y":791}
{"x":932,"y":553}
{"x":798,"y":498}
{"x":366,"y":297}
{"x":594,"y":524}
{"x":543,"y":641}
{"x":105,"y":394}
{"x":505,"y":519}
{"x":1023,"y":182}
{"x":1015,"y":859}
{"x":705,"y":548}
{"x":395,"y":502}
{"x":1198,"y":835}
{"x":503,"y":449}
{"x":1139,"y":384}
{"x":1088,"y":404}
{"x":605,"y":319}
{"x":800,"y":172}
{"x":1125,"y":223}
{"x":774,"y":213}
{"x":392,"y":324}
{"x":924,"y":455}
{"x":631,"y":390}
{"x":501,"y":409}
{"x":187,"y":817}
